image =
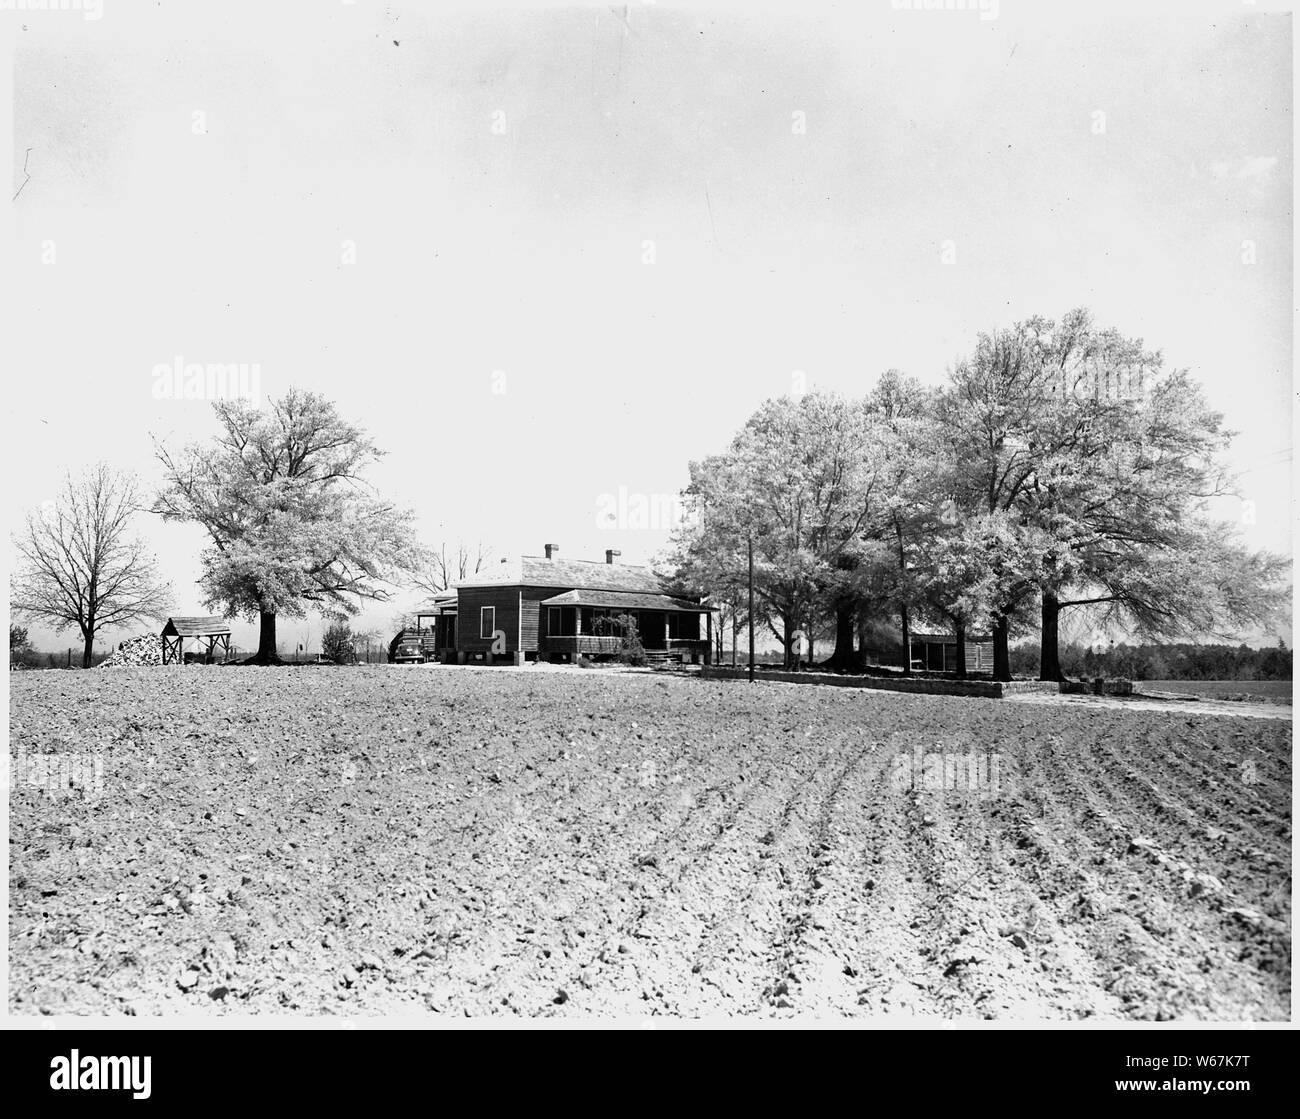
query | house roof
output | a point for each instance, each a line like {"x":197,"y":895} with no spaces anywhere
{"x":195,"y":627}
{"x":951,"y":639}
{"x":444,"y":602}
{"x":568,"y":574}
{"x":626,"y":600}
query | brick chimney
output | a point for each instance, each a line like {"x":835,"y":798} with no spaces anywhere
{"x":610,"y":554}
{"x":551,"y":549}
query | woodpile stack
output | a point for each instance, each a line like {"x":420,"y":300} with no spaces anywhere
{"x":144,"y":651}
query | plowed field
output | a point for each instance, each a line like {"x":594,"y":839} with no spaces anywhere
{"x":475,"y":841}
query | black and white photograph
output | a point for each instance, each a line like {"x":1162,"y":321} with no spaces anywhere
{"x":654,"y":514}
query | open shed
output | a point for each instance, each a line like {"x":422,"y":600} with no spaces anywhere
{"x":937,"y":652}
{"x":214,"y":631}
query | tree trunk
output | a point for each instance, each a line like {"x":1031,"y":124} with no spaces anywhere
{"x":751,"y":607}
{"x":88,"y":649}
{"x":1001,"y":649}
{"x":266,"y":653}
{"x":961,"y":650}
{"x":1049,"y":664}
{"x":844,"y":656}
{"x":907,"y":626}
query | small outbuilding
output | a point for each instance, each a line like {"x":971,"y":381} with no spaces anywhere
{"x":937,"y":652}
{"x":214,"y":631}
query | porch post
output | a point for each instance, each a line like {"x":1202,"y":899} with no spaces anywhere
{"x":708,"y":627}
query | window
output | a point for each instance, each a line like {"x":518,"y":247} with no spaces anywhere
{"x":560,"y":621}
{"x":487,"y":621}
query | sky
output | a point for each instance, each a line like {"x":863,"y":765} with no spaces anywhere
{"x":547,"y":255}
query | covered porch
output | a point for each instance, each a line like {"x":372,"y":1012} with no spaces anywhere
{"x":440,"y":618}
{"x":582,"y":623}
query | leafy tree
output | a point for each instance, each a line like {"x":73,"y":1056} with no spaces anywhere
{"x":965,"y":572}
{"x":1124,"y":500}
{"x":630,"y":649}
{"x":1061,"y":468}
{"x":913,"y":508}
{"x":369,"y":639}
{"x":997,"y":413}
{"x":79,"y":564}
{"x":20,"y":648}
{"x":339,"y":643}
{"x":292,"y":521}
{"x":801,"y":482}
{"x":1104,"y":463}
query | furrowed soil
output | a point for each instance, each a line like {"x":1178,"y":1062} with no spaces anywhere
{"x":422,"y":840}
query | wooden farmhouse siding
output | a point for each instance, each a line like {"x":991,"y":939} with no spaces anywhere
{"x":550,"y":607}
{"x":503,"y":602}
{"x":534,"y":616}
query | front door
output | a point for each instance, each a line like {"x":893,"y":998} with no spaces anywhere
{"x":654,"y":629}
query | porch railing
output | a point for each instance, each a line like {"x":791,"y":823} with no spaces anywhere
{"x":589,"y":644}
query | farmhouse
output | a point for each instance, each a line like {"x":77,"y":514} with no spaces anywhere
{"x":558,"y":609}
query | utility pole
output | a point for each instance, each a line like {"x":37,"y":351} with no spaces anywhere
{"x":751,"y":607}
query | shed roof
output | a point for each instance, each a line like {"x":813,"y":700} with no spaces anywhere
{"x":951,"y":639}
{"x":626,"y":600}
{"x":568,"y":574}
{"x":195,"y":627}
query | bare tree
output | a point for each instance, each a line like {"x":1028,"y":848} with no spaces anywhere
{"x":79,"y":566}
{"x":444,"y":568}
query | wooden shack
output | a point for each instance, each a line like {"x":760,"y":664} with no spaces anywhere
{"x":937,"y":652}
